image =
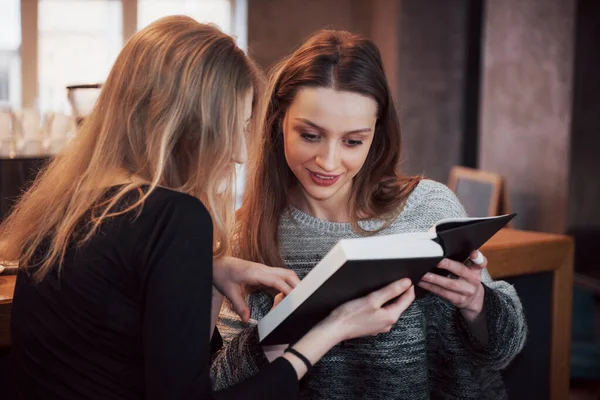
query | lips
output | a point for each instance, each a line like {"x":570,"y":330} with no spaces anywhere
{"x":323,"y":179}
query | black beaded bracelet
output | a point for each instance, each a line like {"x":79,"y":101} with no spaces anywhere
{"x":300,"y":356}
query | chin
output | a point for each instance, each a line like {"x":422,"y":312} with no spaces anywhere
{"x":319,"y":196}
{"x":318,"y":193}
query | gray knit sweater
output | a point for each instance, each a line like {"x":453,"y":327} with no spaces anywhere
{"x":429,"y":353}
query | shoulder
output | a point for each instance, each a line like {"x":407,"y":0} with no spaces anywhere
{"x":169,"y":207}
{"x":172,"y":223}
{"x":428,"y":189}
{"x":429,"y":203}
{"x":436,"y":198}
{"x":171,"y":201}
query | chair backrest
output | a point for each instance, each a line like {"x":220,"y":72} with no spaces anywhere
{"x":482,"y":193}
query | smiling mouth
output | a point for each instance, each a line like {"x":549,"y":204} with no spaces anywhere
{"x":325,"y":176}
{"x":323,"y":179}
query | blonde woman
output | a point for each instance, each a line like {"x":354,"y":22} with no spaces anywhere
{"x":123,"y":240}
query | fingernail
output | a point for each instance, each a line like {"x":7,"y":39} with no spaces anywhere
{"x":478,"y":259}
{"x":406,"y":283}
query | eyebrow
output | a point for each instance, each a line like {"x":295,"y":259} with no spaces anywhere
{"x":312,"y":124}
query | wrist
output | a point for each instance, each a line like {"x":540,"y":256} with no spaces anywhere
{"x":219,"y":273}
{"x":330,"y":331}
{"x":474,"y":309}
{"x":216,"y":294}
{"x":318,"y":341}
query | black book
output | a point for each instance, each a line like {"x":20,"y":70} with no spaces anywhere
{"x":357,"y":267}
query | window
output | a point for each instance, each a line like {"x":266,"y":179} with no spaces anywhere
{"x":229,"y":15}
{"x":10,"y":57}
{"x":218,"y":12}
{"x":78,"y":41}
{"x":77,"y":44}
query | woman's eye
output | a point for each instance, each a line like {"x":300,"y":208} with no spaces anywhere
{"x":353,"y":143}
{"x":309,"y":137}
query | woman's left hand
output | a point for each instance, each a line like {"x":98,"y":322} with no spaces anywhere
{"x":232,"y":275}
{"x":465,"y":291}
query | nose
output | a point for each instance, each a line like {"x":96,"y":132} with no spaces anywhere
{"x":328,"y":158}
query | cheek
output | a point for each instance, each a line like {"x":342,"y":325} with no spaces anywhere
{"x":296,"y":152}
{"x":355,"y":159}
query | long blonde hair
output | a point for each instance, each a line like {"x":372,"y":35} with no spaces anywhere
{"x":169,"y":113}
{"x":331,"y":59}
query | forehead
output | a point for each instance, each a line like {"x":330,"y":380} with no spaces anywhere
{"x":325,"y":105}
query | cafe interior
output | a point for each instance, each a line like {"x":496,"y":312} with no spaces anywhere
{"x":498,"y":99}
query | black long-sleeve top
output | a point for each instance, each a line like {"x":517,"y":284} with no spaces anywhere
{"x":128,"y":315}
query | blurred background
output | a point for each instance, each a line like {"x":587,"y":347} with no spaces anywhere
{"x":509,"y":88}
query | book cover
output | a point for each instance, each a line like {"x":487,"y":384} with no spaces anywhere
{"x":356,"y":267}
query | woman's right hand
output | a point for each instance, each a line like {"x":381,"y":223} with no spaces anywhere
{"x":371,"y":315}
{"x":367,"y":316}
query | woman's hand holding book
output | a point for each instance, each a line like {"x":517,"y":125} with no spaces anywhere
{"x":464,"y":290}
{"x":367,"y":316}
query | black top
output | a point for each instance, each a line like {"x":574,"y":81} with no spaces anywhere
{"x":128,"y":316}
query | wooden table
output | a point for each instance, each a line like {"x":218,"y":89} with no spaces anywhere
{"x":7,"y":287}
{"x":510,"y":253}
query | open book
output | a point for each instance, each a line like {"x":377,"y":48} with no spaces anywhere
{"x":356,"y":267}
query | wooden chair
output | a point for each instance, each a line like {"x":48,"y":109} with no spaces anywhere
{"x":482,"y":193}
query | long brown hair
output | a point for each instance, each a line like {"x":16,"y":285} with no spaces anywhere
{"x":341,"y":61}
{"x":169,"y":113}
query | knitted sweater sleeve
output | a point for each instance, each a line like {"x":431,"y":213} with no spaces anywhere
{"x":241,"y":356}
{"x":506,"y":324}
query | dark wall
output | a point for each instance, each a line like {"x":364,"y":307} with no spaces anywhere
{"x":584,"y":189}
{"x":277,"y":27}
{"x":438,"y":78}
{"x":526,"y":105}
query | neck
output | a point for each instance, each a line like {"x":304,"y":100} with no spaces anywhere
{"x":333,"y":209}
